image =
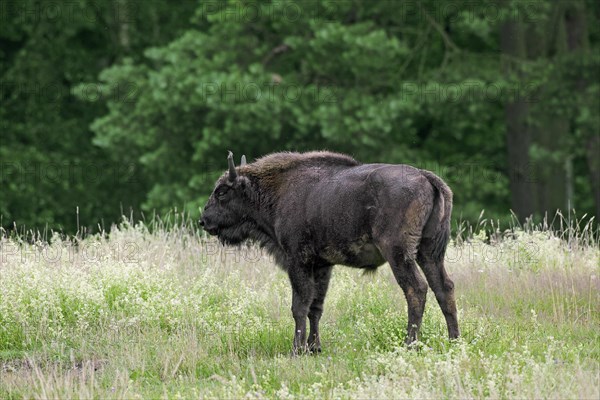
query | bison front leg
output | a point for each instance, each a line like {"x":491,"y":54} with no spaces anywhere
{"x":321,"y":278}
{"x":302,"y":295}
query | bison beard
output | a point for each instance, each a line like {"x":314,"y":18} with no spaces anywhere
{"x":314,"y":210}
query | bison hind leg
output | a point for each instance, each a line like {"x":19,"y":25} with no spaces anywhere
{"x":408,"y":276}
{"x":400,"y":248}
{"x":440,"y":283}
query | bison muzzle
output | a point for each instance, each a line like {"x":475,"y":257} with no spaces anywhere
{"x":318,"y":209}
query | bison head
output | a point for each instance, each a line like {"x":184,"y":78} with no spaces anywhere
{"x":227,"y":213}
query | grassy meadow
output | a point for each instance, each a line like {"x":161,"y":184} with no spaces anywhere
{"x":170,"y":313}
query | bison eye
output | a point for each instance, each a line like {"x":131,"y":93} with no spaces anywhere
{"x":221,"y":194}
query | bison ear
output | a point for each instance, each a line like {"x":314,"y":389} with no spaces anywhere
{"x":232,"y":171}
{"x":243,"y":162}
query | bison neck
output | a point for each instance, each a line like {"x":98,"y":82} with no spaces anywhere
{"x":264,"y":235}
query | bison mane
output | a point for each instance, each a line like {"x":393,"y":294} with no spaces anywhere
{"x":270,"y":170}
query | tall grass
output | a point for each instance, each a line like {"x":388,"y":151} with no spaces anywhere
{"x":157,"y":309}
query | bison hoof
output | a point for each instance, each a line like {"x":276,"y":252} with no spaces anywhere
{"x":314,"y":349}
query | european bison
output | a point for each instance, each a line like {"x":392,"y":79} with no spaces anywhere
{"x":314,"y":210}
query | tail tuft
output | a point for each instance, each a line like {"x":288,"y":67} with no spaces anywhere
{"x":440,"y":244}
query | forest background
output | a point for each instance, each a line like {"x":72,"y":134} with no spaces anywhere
{"x":129,"y":107}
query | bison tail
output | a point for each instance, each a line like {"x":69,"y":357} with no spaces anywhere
{"x":437,"y":227}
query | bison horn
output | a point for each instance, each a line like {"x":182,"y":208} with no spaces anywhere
{"x":232,"y":171}
{"x":243,"y":162}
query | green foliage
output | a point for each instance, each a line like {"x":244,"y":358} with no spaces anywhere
{"x":51,"y":173}
{"x":124,"y":104}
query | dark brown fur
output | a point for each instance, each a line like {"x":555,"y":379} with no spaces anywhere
{"x":314,"y":210}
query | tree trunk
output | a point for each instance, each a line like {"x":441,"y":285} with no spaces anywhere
{"x":512,"y":42}
{"x":593,"y":161}
{"x":578,"y":42}
{"x":549,"y":128}
{"x":123,"y":16}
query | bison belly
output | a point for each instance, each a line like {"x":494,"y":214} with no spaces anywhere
{"x":360,"y":253}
